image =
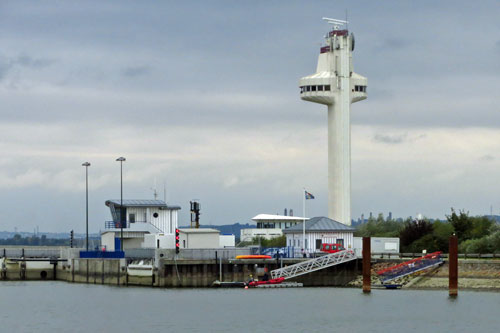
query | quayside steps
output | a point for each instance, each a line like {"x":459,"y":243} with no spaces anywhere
{"x":315,"y":264}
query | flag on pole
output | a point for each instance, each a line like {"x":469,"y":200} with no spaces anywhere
{"x":309,"y":195}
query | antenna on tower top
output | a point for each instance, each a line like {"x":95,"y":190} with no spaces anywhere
{"x":336,"y":23}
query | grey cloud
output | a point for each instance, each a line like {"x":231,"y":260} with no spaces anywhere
{"x":396,"y":43}
{"x":28,"y":61}
{"x":8,"y":63}
{"x":487,"y":158}
{"x":136,"y":71}
{"x":390,"y":139}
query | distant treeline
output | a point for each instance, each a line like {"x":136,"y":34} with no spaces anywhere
{"x":476,"y":234}
{"x":34,"y":241}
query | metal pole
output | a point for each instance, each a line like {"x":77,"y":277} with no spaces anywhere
{"x":86,"y":165}
{"x":86,"y":204}
{"x":121,"y":160}
{"x":304,"y":222}
{"x":121,"y":205}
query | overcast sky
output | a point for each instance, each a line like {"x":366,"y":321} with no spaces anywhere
{"x":202,"y":96}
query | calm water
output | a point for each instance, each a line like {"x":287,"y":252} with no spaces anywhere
{"x":64,"y":307}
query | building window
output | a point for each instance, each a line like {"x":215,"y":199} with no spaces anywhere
{"x":184,"y":243}
{"x":308,"y":88}
{"x":318,"y":244}
{"x":313,"y":88}
{"x":320,"y":88}
{"x":327,"y":88}
{"x":131,"y":218}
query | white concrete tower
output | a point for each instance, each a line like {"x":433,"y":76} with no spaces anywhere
{"x":337,"y":86}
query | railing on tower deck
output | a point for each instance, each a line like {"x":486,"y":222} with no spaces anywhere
{"x":115,"y":225}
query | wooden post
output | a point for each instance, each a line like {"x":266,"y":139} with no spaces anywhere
{"x":367,"y":258}
{"x":453,"y":266}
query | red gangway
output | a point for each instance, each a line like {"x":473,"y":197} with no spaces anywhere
{"x":412,"y":266}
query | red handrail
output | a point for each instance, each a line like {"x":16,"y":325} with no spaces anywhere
{"x":427,"y":256}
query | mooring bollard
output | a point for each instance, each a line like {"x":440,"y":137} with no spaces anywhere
{"x":453,"y":266}
{"x":367,"y":258}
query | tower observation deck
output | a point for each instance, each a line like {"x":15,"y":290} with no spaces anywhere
{"x":336,"y":85}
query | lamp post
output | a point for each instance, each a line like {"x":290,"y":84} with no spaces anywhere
{"x":121,"y":160}
{"x":86,"y":165}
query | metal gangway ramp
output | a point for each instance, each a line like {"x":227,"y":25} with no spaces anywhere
{"x":412,"y":266}
{"x":315,"y":264}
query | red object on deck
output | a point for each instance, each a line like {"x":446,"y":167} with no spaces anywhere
{"x":338,"y":33}
{"x":272,"y":281}
{"x":331,"y":248}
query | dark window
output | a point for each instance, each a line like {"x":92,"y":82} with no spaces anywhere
{"x":356,"y":88}
{"x":308,"y":88}
{"x":320,"y":88}
{"x":318,"y":244}
{"x":327,"y":88}
{"x":313,"y":88}
{"x":131,"y":218}
{"x":340,"y":241}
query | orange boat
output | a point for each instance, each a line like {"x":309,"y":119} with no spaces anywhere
{"x":253,"y":256}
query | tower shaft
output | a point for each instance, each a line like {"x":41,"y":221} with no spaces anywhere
{"x":337,"y":86}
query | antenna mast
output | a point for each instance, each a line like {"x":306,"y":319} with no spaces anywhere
{"x":337,"y":24}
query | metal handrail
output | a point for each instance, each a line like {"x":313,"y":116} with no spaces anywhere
{"x":115,"y":225}
{"x":315,"y":264}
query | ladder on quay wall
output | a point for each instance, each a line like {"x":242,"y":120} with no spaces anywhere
{"x":315,"y":264}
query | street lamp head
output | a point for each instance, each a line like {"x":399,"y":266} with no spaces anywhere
{"x":86,"y":164}
{"x":121,"y":159}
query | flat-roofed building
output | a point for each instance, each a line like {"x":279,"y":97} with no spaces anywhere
{"x":269,"y":226}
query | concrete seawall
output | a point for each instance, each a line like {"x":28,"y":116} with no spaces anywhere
{"x":169,"y":273}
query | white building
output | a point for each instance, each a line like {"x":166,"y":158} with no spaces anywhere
{"x":336,"y":85}
{"x":227,"y":240}
{"x":202,"y":238}
{"x":320,"y":230}
{"x":246,"y":235}
{"x":269,"y":226}
{"x":148,"y":224}
{"x":269,"y":221}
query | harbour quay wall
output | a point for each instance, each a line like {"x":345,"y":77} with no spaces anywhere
{"x":202,"y":273}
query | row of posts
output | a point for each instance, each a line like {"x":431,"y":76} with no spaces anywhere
{"x":452,"y":265}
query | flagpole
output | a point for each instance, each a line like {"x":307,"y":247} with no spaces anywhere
{"x":304,"y":222}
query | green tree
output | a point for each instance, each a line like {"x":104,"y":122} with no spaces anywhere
{"x":461,"y":223}
{"x":414,"y":230}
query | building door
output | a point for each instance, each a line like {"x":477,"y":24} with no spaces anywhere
{"x":318,"y":244}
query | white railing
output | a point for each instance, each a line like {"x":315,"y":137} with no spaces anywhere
{"x":315,"y":264}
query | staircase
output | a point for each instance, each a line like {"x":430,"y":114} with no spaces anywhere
{"x":315,"y":264}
